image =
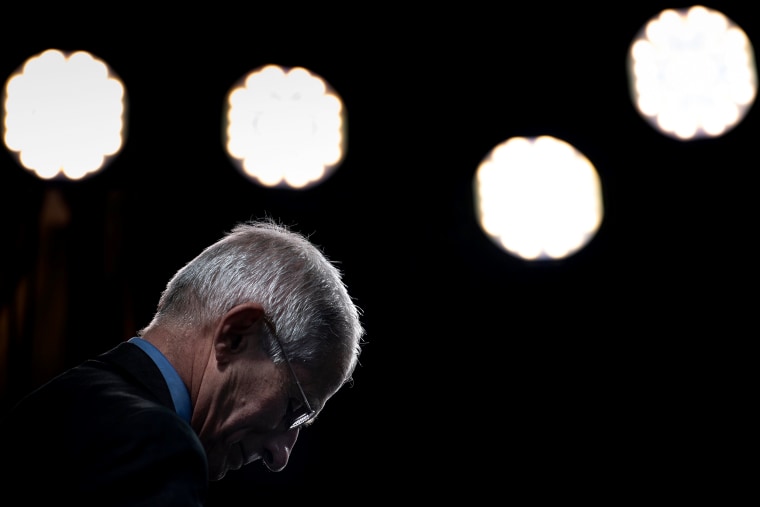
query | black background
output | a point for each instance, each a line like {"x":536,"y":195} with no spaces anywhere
{"x":617,"y":373}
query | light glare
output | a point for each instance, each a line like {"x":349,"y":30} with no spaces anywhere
{"x":63,"y":115}
{"x":692,"y":73}
{"x":538,"y":198}
{"x":285,"y":128}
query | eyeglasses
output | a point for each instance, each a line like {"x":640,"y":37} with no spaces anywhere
{"x":304,"y":413}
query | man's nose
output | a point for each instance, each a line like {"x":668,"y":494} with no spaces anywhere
{"x":277,"y":449}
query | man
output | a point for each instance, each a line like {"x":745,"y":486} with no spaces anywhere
{"x":249,"y":341}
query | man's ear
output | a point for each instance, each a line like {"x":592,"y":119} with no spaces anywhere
{"x":237,"y":331}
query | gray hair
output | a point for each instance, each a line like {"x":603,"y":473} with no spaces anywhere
{"x":301,"y":290}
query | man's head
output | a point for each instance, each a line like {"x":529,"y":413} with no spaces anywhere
{"x":253,"y":324}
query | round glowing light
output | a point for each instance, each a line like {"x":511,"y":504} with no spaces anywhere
{"x":285,"y":127}
{"x":63,"y":115}
{"x":538,"y":198}
{"x":692,"y":73}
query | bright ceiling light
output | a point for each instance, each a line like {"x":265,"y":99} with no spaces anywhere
{"x":692,"y":73}
{"x":285,"y":127}
{"x":63,"y":115}
{"x":538,"y":198}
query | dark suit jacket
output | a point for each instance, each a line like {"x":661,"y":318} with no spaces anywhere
{"x":103,"y":433}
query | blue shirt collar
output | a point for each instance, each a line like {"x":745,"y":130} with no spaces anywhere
{"x":177,"y":388}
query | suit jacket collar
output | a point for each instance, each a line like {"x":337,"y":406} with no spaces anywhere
{"x":133,"y":362}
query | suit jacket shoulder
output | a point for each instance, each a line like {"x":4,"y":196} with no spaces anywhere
{"x":106,"y":433}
